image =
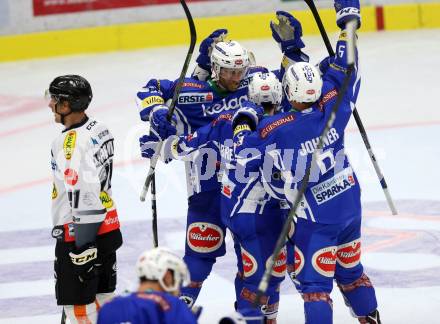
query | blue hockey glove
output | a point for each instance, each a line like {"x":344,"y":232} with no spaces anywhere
{"x":206,"y":45}
{"x":287,"y":33}
{"x":347,"y":10}
{"x":159,"y":124}
{"x":249,"y":114}
{"x":148,"y":144}
{"x":325,"y":64}
{"x":84,"y":261}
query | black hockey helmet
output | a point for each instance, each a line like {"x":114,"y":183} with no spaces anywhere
{"x":74,"y":89}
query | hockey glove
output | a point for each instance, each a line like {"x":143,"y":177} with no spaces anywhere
{"x":148,"y":98}
{"x":206,"y":45}
{"x":325,"y":64}
{"x":84,"y":262}
{"x":160,"y":126}
{"x":287,"y":33}
{"x":347,"y":10}
{"x":203,"y":68}
{"x":148,"y":144}
{"x":249,"y":114}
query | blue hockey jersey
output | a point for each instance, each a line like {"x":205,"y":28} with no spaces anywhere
{"x":150,"y":307}
{"x":199,"y":103}
{"x":281,"y":148}
{"x":215,"y":139}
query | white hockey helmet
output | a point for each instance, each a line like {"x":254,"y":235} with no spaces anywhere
{"x":265,"y":87}
{"x":154,"y":264}
{"x":230,"y":55}
{"x":302,"y":82}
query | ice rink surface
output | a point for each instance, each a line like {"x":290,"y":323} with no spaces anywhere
{"x":398,"y":104}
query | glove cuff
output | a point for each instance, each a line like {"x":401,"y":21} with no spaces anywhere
{"x":294,"y":57}
{"x":343,"y":15}
{"x":155,"y":109}
{"x":245,"y":116}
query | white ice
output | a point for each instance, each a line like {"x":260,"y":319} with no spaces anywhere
{"x":398,"y":104}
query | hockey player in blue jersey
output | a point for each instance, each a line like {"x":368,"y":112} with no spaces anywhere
{"x":256,"y":230}
{"x":327,"y":235}
{"x":161,"y":274}
{"x":199,"y":103}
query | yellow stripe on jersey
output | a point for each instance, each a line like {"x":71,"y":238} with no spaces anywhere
{"x":69,"y":144}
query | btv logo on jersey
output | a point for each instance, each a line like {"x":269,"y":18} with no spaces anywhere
{"x":349,"y":254}
{"x":324,"y":261}
{"x":280,"y":265}
{"x":71,"y":177}
{"x":249,"y":263}
{"x":195,"y":98}
{"x":204,"y":237}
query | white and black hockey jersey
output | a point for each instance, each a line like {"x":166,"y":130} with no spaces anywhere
{"x":82,"y":166}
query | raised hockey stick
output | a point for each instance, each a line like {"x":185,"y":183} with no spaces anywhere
{"x":357,"y":118}
{"x":154,"y":211}
{"x":192,"y":44}
{"x":351,"y":38}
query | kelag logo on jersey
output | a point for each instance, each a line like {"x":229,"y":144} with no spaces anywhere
{"x":334,"y":186}
{"x":223,"y":105}
{"x":195,"y":97}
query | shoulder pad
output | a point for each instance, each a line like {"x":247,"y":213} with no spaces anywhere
{"x":194,"y":84}
{"x":227,"y":117}
{"x":255,"y":69}
{"x":90,"y":125}
{"x":269,"y":125}
{"x":329,"y":92}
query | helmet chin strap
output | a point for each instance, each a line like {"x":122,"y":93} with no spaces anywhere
{"x":62,"y":115}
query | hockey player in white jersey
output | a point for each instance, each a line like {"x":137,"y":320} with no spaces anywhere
{"x":85,"y":220}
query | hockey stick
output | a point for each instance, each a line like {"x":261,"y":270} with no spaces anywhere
{"x":357,"y":118}
{"x":264,"y":282}
{"x":63,"y":317}
{"x":179,"y":84}
{"x":154,"y":211}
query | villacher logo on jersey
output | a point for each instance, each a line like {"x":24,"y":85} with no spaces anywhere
{"x":204,"y":237}
{"x":250,"y":265}
{"x":280,"y":266}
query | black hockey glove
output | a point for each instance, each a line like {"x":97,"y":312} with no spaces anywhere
{"x":84,"y":262}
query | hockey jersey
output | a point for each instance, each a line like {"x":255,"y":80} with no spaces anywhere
{"x":150,"y":307}
{"x":215,"y":139}
{"x":198,"y":103}
{"x":281,"y":149}
{"x":82,"y":166}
